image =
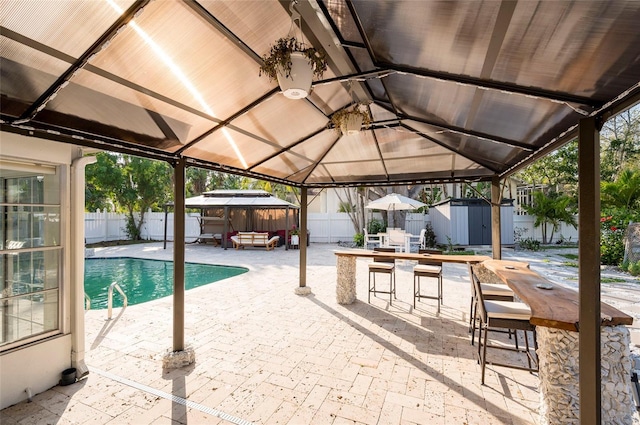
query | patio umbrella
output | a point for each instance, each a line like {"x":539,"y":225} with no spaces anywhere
{"x":394,"y":202}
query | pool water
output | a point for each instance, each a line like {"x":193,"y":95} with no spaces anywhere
{"x":144,"y":280}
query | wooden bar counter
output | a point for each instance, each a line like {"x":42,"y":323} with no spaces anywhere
{"x":346,"y":267}
{"x":555,"y":312}
{"x":552,"y":305}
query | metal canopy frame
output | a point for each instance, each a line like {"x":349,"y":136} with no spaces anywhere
{"x":459,"y":91}
{"x":349,"y":32}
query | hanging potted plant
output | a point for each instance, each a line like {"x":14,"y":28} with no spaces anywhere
{"x":350,"y":120}
{"x":293,"y":65}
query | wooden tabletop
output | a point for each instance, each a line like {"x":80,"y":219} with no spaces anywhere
{"x":557,"y":307}
{"x":413,"y":256}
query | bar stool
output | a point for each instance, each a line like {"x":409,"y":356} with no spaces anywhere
{"x":383,"y":265}
{"x":427,"y":268}
{"x":507,"y":316}
{"x":490,"y":291}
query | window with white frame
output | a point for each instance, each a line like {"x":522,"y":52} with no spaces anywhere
{"x":524,"y":196}
{"x":31,"y":253}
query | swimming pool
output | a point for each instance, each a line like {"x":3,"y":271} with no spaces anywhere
{"x":144,"y":280}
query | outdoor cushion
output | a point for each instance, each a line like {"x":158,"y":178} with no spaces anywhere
{"x":243,"y":239}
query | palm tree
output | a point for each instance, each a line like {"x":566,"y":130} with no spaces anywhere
{"x":550,"y":210}
{"x":624,"y":192}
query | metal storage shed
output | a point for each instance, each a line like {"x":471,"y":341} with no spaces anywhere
{"x":467,"y":221}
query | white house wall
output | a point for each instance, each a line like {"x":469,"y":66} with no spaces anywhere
{"x":38,"y":365}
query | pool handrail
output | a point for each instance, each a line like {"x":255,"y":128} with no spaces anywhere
{"x":110,"y":298}
{"x":87,"y":302}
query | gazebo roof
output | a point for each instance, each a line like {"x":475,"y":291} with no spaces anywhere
{"x":238,"y":199}
{"x":458,"y":90}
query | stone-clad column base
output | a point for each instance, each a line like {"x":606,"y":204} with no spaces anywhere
{"x":302,"y":290}
{"x":178,"y":359}
{"x":346,"y":280}
{"x":559,"y":374}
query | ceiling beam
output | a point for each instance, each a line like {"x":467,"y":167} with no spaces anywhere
{"x":288,"y":149}
{"x":41,"y":102}
{"x":226,"y":32}
{"x":554,"y":96}
{"x":384,"y":165}
{"x":470,"y":133}
{"x":456,"y":151}
{"x":65,"y":135}
{"x":318,"y":30}
{"x":231,"y":118}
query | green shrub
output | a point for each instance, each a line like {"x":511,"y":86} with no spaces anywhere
{"x":430,"y":237}
{"x":611,"y":241}
{"x":613,"y":224}
{"x":529,"y":244}
{"x":358,"y":239}
{"x":634,"y":268}
{"x":376,"y":226}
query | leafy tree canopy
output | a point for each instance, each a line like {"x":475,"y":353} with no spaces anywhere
{"x":624,"y":192}
{"x":131,"y":184}
{"x":550,"y":210}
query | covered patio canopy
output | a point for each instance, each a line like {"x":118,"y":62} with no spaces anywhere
{"x":223,"y":201}
{"x":459,"y":91}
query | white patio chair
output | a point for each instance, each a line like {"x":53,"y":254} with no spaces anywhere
{"x":416,"y":241}
{"x":396,"y":239}
{"x":375,"y":240}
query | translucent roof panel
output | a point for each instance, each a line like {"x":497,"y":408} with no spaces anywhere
{"x":433,"y":35}
{"x":256,"y":23}
{"x":547,"y":31}
{"x":193,"y":63}
{"x":317,"y":146}
{"x":282,"y":121}
{"x":457,"y":89}
{"x":232,"y":147}
{"x":284,"y":165}
{"x":362,"y":144}
{"x":26,"y":74}
{"x":69,"y":27}
{"x":93,"y":98}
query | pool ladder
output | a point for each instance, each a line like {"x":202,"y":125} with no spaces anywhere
{"x":110,"y":299}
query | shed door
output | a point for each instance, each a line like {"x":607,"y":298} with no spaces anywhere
{"x":479,"y":224}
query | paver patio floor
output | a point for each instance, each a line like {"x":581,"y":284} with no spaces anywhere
{"x":265,"y":355}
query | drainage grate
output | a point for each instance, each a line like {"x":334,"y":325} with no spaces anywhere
{"x":173,"y":398}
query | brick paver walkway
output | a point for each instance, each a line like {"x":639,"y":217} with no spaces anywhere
{"x":267,"y":356}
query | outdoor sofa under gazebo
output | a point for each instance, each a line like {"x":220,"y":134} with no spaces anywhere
{"x":224,"y":213}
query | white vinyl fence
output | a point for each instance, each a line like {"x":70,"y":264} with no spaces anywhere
{"x":108,"y":226}
{"x":565,"y":232}
{"x":323,"y":227}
